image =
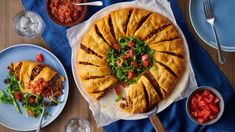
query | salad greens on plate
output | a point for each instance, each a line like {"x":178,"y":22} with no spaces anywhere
{"x":32,"y":103}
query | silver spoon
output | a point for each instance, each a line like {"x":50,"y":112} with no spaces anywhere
{"x":94,"y":3}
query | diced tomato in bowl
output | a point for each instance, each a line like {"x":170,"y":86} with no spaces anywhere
{"x":205,"y":105}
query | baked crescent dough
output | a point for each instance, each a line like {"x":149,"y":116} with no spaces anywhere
{"x":164,"y":35}
{"x":106,"y":31}
{"x":153,"y":85}
{"x":151,"y":94}
{"x":135,"y":99}
{"x":29,"y":74}
{"x":96,"y":86}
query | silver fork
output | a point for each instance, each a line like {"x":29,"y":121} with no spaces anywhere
{"x":210,"y":19}
{"x":46,"y":103}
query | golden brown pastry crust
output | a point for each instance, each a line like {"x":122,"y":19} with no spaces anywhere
{"x":26,"y":71}
{"x":96,"y":87}
{"x":165,"y":79}
{"x":157,"y":32}
{"x":135,"y":99}
{"x":154,"y":22}
{"x":90,"y":59}
{"x":104,"y":28}
{"x":136,"y":17}
{"x":151,"y":94}
{"x":166,"y":34}
{"x":174,"y":64}
{"x":175,"y":47}
{"x":94,"y":43}
{"x":88,"y":71}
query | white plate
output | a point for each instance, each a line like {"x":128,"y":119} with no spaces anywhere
{"x":106,"y":106}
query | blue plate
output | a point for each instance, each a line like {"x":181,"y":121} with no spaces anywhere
{"x":224,"y":22}
{"x":9,"y":117}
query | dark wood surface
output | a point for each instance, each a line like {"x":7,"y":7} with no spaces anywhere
{"x":76,"y":105}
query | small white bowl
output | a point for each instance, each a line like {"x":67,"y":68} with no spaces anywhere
{"x":221,"y":105}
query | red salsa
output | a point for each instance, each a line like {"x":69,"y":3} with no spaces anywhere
{"x":64,"y":11}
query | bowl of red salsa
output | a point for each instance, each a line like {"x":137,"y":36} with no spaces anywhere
{"x":64,"y":13}
{"x":205,"y":105}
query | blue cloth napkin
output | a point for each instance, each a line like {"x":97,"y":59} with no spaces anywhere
{"x":174,"y":118}
{"x":55,"y":35}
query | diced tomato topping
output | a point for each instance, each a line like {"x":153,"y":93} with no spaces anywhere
{"x":205,"y":113}
{"x":204,"y":106}
{"x":194,"y":100}
{"x":44,"y":84}
{"x":199,"y":98}
{"x":131,"y":52}
{"x":207,"y":100}
{"x":123,"y":85}
{"x":118,"y":62}
{"x":131,"y":43}
{"x":117,"y":90}
{"x":217,"y":100}
{"x":200,"y":120}
{"x":18,"y":95}
{"x":39,"y":57}
{"x":116,"y":46}
{"x":145,"y":63}
{"x":211,"y":96}
{"x":130,"y":75}
{"x":125,"y":56}
{"x":31,"y":99}
{"x":214,"y":108}
{"x":201,"y":103}
{"x":195,"y":114}
{"x":205,"y":92}
{"x":144,"y":57}
{"x":134,"y":64}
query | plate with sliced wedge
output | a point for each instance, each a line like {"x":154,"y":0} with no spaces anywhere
{"x":30,"y":73}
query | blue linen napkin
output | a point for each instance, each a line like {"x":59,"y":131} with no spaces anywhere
{"x":55,"y":35}
{"x":174,"y":118}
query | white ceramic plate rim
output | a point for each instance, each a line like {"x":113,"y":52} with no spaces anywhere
{"x":65,"y":94}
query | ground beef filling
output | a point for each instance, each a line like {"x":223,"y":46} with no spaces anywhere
{"x":15,"y":71}
{"x":54,"y":87}
{"x":36,"y":70}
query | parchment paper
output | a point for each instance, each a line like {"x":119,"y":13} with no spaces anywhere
{"x":106,"y":110}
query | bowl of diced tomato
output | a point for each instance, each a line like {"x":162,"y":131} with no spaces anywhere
{"x":205,"y":105}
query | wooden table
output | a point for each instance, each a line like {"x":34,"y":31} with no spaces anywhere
{"x":76,"y":105}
